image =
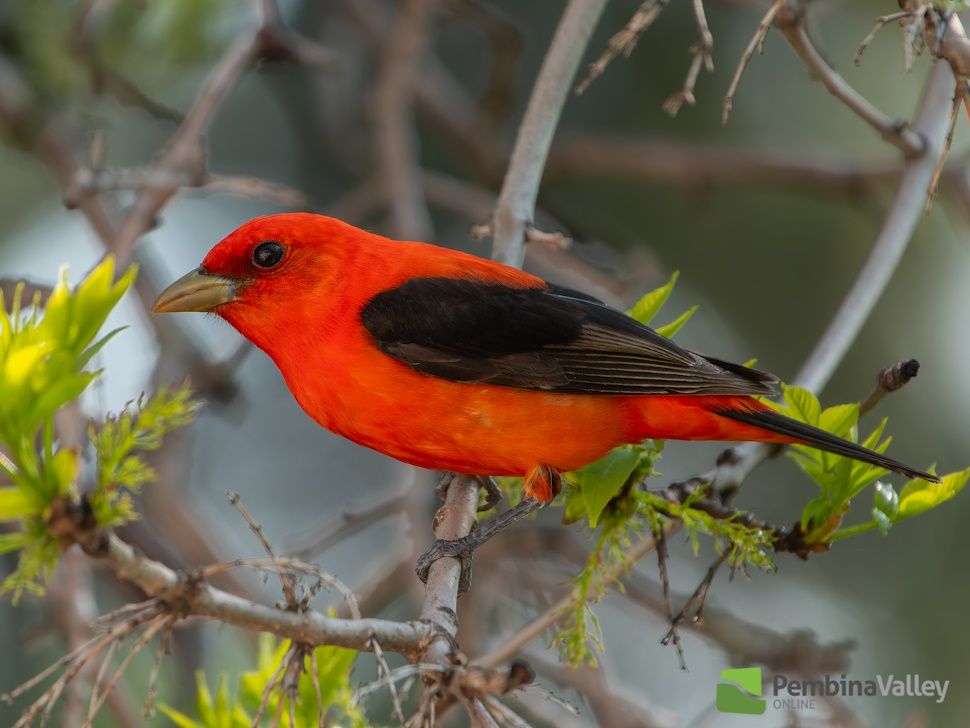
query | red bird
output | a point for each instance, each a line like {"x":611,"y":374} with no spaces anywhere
{"x":452,"y":362}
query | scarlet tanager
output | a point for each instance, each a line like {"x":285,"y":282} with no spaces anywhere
{"x":451,"y":362}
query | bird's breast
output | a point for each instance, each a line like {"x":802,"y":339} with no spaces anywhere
{"x":345,"y":383}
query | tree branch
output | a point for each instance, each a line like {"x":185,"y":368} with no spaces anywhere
{"x":516,"y":203}
{"x":790,"y":20}
{"x":185,"y":153}
{"x":190,"y":597}
{"x":890,"y":244}
{"x":453,"y":520}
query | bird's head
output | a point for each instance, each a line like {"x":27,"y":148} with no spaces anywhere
{"x":266,"y":272}
{"x":265,"y":259}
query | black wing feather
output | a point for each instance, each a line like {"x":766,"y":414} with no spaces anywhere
{"x":808,"y":435}
{"x":551,"y":339}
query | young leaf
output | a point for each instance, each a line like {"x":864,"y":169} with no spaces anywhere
{"x":647,"y":307}
{"x":600,"y":481}
{"x":840,"y":419}
{"x":803,"y":405}
{"x":919,"y":496}
{"x":14,"y":504}
{"x":671,"y":329}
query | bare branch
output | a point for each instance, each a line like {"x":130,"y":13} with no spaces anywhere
{"x":202,"y":600}
{"x":754,"y":46}
{"x":790,"y":21}
{"x":880,"y":24}
{"x":887,"y":250}
{"x":700,"y":55}
{"x":516,"y":203}
{"x":609,"y":703}
{"x":453,"y":520}
{"x":624,"y":41}
{"x":286,"y":579}
{"x":185,"y":153}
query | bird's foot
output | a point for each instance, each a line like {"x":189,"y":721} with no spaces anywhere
{"x":493,"y":495}
{"x":463,"y":548}
{"x":460,"y":548}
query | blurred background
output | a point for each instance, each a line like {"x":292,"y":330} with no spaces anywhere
{"x":768,"y":220}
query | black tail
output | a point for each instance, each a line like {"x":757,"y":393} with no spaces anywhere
{"x":813,"y":436}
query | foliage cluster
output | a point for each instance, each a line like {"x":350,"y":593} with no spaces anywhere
{"x":45,"y":350}
{"x":322,"y":692}
{"x":611,"y":498}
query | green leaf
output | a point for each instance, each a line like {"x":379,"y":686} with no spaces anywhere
{"x":816,"y":511}
{"x":803,"y":405}
{"x":919,"y":496}
{"x":840,"y":419}
{"x":574,"y":505}
{"x":671,"y":329}
{"x":179,"y":719}
{"x":647,"y":307}
{"x":13,"y":541}
{"x":203,"y":700}
{"x":602,"y":480}
{"x":85,"y":356}
{"x":14,"y":504}
{"x":63,"y":469}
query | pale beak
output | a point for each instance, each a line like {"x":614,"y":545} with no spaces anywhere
{"x":197,"y":290}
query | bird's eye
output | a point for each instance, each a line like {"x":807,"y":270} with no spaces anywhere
{"x":268,"y":254}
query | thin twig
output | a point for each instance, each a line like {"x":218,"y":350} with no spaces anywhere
{"x":701,"y":55}
{"x":790,"y":20}
{"x":514,"y":644}
{"x":286,"y":580}
{"x":668,"y":609}
{"x":698,"y":597}
{"x":880,"y":24}
{"x":754,"y":46}
{"x":287,"y":567}
{"x":624,"y":41}
{"x":383,"y":671}
{"x":97,"y":699}
{"x":959,"y":99}
{"x":890,"y":379}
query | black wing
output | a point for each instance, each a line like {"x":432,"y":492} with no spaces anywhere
{"x":551,"y":339}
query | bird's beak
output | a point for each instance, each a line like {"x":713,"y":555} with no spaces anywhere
{"x":197,"y":290}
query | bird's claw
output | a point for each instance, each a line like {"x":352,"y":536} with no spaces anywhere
{"x":492,"y":493}
{"x":460,"y":548}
